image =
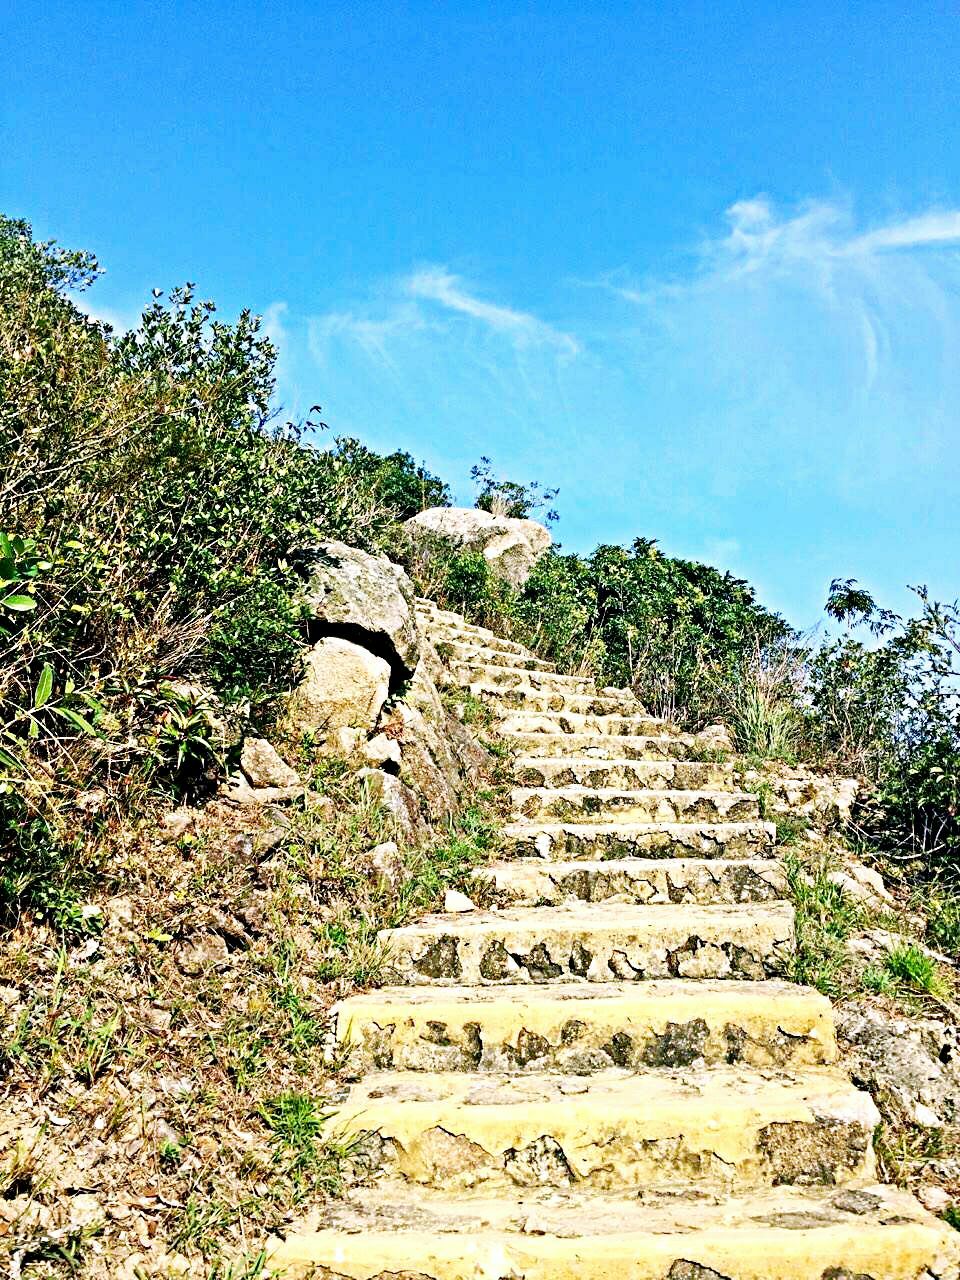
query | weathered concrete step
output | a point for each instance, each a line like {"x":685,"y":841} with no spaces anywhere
{"x":450,"y":627}
{"x":505,"y":678}
{"x":527,"y":698}
{"x":560,"y":841}
{"x":588,"y":771}
{"x":609,"y":804}
{"x":522,"y":723}
{"x":470,"y":652}
{"x":724,"y":1127}
{"x":596,"y":941}
{"x":581,"y":1029}
{"x":709,"y":881}
{"x":662,"y":744}
{"x":784,"y":1233}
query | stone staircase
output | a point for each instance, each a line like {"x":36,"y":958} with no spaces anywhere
{"x":604,"y":1075}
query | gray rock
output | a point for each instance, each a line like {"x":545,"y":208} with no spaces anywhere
{"x":910,"y":1065}
{"x":239,"y":791}
{"x":343,"y":686}
{"x":386,"y":864}
{"x":440,"y":759}
{"x":382,"y":752}
{"x":510,"y":547}
{"x":863,"y":884}
{"x":457,"y":903}
{"x":264,"y":767}
{"x":366,"y":599}
{"x":400,"y":802}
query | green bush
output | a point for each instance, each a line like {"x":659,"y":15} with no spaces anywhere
{"x":675,"y":631}
{"x":155,"y":524}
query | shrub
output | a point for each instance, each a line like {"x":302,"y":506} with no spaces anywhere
{"x":155,"y":524}
{"x":890,"y":710}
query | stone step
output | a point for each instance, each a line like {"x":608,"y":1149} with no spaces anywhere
{"x":609,"y":804}
{"x":580,"y":1029}
{"x":783,"y":1233}
{"x":588,"y":771}
{"x":453,"y":647}
{"x":460,"y":651}
{"x":660,"y":745}
{"x":571,"y":723}
{"x":727,"y":1127}
{"x":503,"y":677}
{"x":443,"y":629}
{"x":533,"y":882}
{"x":599,"y":942}
{"x":599,"y":841}
{"x":527,"y":698}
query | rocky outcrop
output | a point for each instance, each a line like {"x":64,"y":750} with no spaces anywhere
{"x":344,"y":686}
{"x":510,"y":547}
{"x":910,"y":1065}
{"x":439,"y":758}
{"x":418,"y":759}
{"x":365,"y":599}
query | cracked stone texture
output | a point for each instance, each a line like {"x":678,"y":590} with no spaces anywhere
{"x":636,"y":880}
{"x":569,"y":1028}
{"x":725,"y":1128}
{"x":906,"y":1063}
{"x":629,"y":943}
{"x":595,"y":841}
{"x":607,"y":804}
{"x":556,"y":1234}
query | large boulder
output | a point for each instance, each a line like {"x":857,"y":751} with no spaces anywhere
{"x":510,"y":547}
{"x":343,"y":685}
{"x":366,"y":599}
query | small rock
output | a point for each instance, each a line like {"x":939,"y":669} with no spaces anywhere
{"x":119,"y":911}
{"x":455,"y":901}
{"x":91,"y":801}
{"x":239,"y":791}
{"x":935,"y":1199}
{"x":197,"y":954}
{"x":862,"y":884}
{"x":400,"y":802}
{"x":264,"y":767}
{"x":715,"y":737}
{"x":345,"y":740}
{"x":381,"y":752}
{"x":177,"y":823}
{"x":387,"y":864}
{"x":926,"y":1116}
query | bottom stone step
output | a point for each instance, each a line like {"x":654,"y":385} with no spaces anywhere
{"x":875,"y":1233}
{"x":718,"y":1127}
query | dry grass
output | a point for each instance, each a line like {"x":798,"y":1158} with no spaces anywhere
{"x":168,"y":1094}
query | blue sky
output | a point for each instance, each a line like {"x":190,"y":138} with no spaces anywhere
{"x":698,"y":265}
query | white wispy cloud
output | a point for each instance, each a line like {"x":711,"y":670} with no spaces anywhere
{"x":800,"y":373}
{"x":824,"y":229}
{"x":438,"y":284}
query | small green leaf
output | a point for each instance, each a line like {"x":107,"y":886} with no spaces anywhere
{"x":44,"y":687}
{"x":77,"y":720}
{"x":19,"y":604}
